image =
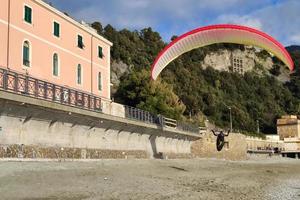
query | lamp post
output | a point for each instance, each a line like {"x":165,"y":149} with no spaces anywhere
{"x":230,"y":115}
{"x":230,"y":119}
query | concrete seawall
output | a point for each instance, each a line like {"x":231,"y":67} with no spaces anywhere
{"x":36,"y":129}
{"x":33,"y":131}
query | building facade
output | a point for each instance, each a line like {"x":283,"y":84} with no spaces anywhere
{"x":288,"y":127}
{"x":41,"y":41}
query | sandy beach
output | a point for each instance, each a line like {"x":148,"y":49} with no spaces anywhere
{"x":275,"y":178}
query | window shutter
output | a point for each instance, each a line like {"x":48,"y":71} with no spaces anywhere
{"x":100,"y":52}
{"x":79,"y":74}
{"x":56,"y":29}
{"x":55,"y":65}
{"x":28,"y":14}
{"x":25,"y":56}
{"x":80,"y":42}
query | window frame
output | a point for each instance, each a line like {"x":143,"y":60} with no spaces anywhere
{"x":81,"y":75}
{"x":59,"y":29}
{"x":101,"y":56}
{"x":29,"y":56}
{"x":58,"y":65}
{"x":82,"y":41}
{"x":24,"y":14}
{"x":100,"y":81}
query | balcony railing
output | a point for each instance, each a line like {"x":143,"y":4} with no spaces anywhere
{"x":28,"y":86}
{"x":39,"y":89}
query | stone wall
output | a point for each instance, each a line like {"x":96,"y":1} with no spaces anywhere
{"x":234,"y":149}
{"x":38,"y":152}
{"x":288,"y":127}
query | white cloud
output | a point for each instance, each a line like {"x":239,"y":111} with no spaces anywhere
{"x":279,"y":20}
{"x":241,"y":20}
{"x":174,"y":17}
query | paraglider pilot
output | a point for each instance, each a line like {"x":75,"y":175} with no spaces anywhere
{"x":220,"y":139}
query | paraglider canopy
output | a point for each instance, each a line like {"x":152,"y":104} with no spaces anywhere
{"x":224,"y":33}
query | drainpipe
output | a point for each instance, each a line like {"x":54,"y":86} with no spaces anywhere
{"x":92,"y":64}
{"x":8,"y":35}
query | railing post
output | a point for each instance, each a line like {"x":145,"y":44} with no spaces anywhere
{"x":26,"y":84}
{"x":100,"y":105}
{"x":94,"y":107}
{"x":61,"y":95}
{"x":126,"y":111}
{"x":83,"y":99}
{"x":5,"y":80}
{"x":162,"y":120}
{"x":16,"y":76}
{"x":36,"y":88}
{"x":89,"y":101}
{"x":53,"y":93}
{"x":69,"y":97}
{"x":45,"y":90}
{"x":76,"y":98}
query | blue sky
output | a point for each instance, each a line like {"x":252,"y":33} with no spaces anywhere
{"x":279,"y":18}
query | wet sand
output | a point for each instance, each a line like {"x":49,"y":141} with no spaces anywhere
{"x":151,"y":179}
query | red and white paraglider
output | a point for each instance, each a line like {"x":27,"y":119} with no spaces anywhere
{"x":224,"y":33}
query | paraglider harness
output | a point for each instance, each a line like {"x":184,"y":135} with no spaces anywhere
{"x":220,"y":139}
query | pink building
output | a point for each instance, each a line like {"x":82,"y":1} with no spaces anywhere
{"x":39,"y":40}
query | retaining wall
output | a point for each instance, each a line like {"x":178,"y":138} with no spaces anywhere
{"x":28,"y":131}
{"x":235,"y":147}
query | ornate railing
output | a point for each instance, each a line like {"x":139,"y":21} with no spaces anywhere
{"x":29,"y":86}
{"x":26,"y":85}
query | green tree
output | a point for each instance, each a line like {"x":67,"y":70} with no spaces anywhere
{"x":136,"y":89}
{"x":98,"y":26}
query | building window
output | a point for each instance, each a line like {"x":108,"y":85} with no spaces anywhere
{"x":99,"y":81}
{"x":79,"y":74}
{"x":100,"y":52}
{"x":80,"y":42}
{"x":237,"y":65}
{"x":28,"y":14}
{"x":55,"y":65}
{"x":26,"y":54}
{"x":56,"y":29}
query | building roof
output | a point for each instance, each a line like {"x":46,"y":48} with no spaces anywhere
{"x":82,"y":26}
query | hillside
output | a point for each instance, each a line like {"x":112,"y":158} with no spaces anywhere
{"x":189,"y":91}
{"x":293,"y":48}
